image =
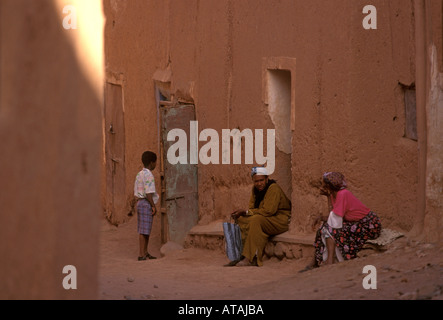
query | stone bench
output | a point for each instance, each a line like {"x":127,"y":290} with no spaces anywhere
{"x":285,"y":245}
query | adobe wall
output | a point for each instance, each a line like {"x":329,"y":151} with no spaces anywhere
{"x":354,"y":120}
{"x":135,"y":41}
{"x":349,"y":100}
{"x":432,"y":42}
{"x":50,"y":128}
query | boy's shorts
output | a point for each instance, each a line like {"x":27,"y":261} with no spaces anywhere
{"x":144,"y":217}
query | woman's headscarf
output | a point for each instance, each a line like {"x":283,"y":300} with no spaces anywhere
{"x":335,"y":179}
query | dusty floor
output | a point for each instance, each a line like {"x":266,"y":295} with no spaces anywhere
{"x":407,"y":270}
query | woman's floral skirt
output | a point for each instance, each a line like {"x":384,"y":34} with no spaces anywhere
{"x":350,"y":238}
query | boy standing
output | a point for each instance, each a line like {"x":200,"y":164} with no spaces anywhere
{"x":144,"y":191}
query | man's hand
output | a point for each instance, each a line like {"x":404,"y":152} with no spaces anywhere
{"x":154,"y":210}
{"x":238,"y":213}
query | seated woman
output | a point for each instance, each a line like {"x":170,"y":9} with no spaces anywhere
{"x":269,"y":214}
{"x":349,"y":224}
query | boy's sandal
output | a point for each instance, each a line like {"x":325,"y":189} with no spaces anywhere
{"x":148,"y":256}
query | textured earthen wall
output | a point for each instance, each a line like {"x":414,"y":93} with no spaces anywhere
{"x":433,"y":94}
{"x":50,"y":128}
{"x":136,"y":38}
{"x":349,"y":99}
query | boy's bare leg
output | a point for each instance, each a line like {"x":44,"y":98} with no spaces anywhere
{"x":145,"y":248}
{"x":142,"y":245}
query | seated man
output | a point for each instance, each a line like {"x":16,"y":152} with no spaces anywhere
{"x":269,"y":214}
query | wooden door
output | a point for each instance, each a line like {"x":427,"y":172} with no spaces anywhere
{"x":116,"y":206}
{"x":181,"y":181}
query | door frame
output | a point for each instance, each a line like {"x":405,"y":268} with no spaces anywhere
{"x":116,"y":79}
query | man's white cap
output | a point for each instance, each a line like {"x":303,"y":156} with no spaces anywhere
{"x":259,"y":171}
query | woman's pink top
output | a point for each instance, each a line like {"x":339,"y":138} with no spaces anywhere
{"x":346,"y":205}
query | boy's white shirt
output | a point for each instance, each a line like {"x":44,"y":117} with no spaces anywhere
{"x":155,"y":196}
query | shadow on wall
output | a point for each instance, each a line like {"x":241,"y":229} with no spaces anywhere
{"x":50,"y":127}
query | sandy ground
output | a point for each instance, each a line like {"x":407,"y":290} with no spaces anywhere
{"x":407,"y":270}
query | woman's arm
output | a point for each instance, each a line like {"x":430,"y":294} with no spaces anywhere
{"x":323,"y":217}
{"x":329,"y":203}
